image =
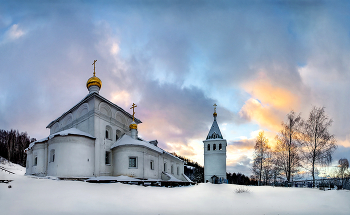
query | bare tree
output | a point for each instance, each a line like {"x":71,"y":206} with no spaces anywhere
{"x":318,"y":144}
{"x":343,"y":167}
{"x":268,"y":166}
{"x":260,"y":156}
{"x":13,"y":144}
{"x":286,"y":153}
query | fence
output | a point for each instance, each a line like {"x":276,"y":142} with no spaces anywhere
{"x":331,"y":183}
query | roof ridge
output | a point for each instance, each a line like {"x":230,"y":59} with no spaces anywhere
{"x":85,"y":99}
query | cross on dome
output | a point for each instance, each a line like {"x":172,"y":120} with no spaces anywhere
{"x":94,"y":66}
{"x":93,"y":82}
{"x":133,"y":111}
{"x":215,"y":114}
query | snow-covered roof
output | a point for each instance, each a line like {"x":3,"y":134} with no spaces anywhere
{"x":71,"y":131}
{"x":127,"y":140}
{"x":214,"y":132}
{"x":88,"y":97}
{"x":185,"y":176}
{"x":171,"y":177}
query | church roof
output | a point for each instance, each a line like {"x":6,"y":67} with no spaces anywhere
{"x":127,"y":140}
{"x":88,"y":97}
{"x":71,"y":131}
{"x":214,"y":132}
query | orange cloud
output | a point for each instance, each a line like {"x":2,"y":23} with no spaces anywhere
{"x":180,"y":149}
{"x":345,"y":142}
{"x":265,"y":116}
{"x":269,"y":104}
{"x":277,"y":97}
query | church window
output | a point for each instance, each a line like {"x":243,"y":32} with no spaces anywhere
{"x":152,"y":165}
{"x":220,"y":146}
{"x":52,"y":155}
{"x":172,"y":169}
{"x":108,"y":132}
{"x":118,"y":134}
{"x":164,"y":167}
{"x":132,"y":162}
{"x":108,"y":158}
{"x":214,"y":147}
{"x":177,"y":170}
{"x":208,"y":147}
{"x":35,"y":161}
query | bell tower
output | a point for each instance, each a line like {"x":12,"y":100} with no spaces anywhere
{"x":215,"y":154}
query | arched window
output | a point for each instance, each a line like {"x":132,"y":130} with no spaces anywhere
{"x":214,"y":147}
{"x":35,"y":161}
{"x":118,"y":134}
{"x":177,"y":170}
{"x":164,"y":167}
{"x":172,"y":169}
{"x":220,"y":146}
{"x":208,"y":147}
{"x":108,"y":132}
{"x":52,"y":155}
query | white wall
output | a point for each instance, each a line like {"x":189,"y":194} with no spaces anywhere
{"x":144,"y":156}
{"x":29,"y":162}
{"x":74,"y":156}
{"x":38,"y":151}
{"x":214,"y":160}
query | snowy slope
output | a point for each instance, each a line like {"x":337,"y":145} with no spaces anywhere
{"x":15,"y":168}
{"x":43,"y":196}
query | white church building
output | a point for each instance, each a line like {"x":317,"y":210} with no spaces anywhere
{"x":215,"y":154}
{"x":98,"y":138}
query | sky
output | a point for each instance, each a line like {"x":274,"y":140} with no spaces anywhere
{"x":257,"y":60}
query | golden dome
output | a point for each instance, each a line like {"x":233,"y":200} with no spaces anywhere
{"x":133,"y":125}
{"x":215,"y":114}
{"x":94,"y":81}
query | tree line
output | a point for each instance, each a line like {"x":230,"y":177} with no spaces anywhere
{"x":241,"y":179}
{"x":193,"y":170}
{"x":12,"y":145}
{"x":299,"y":144}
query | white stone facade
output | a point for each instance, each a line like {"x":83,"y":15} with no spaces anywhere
{"x":80,"y":145}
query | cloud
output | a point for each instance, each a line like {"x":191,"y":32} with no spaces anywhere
{"x":15,"y":32}
{"x":173,"y":114}
{"x":242,"y":165}
{"x":256,"y":61}
{"x":265,"y":116}
{"x":244,"y":144}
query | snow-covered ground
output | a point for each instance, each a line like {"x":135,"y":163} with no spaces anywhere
{"x":30,"y":195}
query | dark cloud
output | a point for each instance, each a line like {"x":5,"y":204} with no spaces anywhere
{"x":341,"y":152}
{"x":175,"y":59}
{"x":242,"y":144}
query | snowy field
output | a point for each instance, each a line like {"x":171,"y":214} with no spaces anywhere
{"x":44,"y":196}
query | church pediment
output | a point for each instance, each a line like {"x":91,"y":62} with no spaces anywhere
{"x":105,"y":101}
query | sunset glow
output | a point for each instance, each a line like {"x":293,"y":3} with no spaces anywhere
{"x":256,"y":61}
